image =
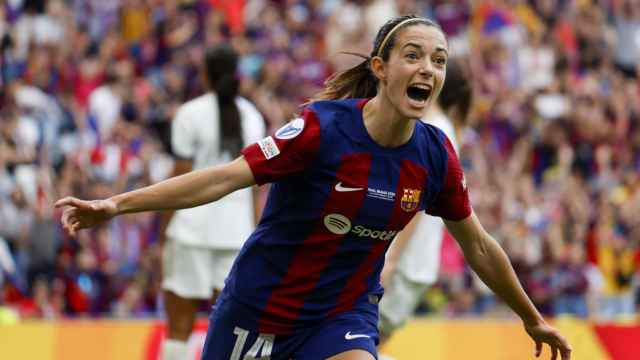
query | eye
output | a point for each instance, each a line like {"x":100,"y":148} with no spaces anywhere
{"x":411,"y":56}
{"x":441,"y":61}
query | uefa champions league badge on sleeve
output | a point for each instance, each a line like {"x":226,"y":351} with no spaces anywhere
{"x":292,"y":129}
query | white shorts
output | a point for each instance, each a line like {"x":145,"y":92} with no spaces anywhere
{"x":194,"y":272}
{"x":399,"y":302}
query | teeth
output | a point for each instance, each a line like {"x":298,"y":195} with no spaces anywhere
{"x":422,"y":86}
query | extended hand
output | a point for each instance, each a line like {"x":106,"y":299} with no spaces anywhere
{"x":83,"y":214}
{"x":543,"y":333}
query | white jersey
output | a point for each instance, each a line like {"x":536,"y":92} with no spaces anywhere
{"x":420,"y":260}
{"x":195,"y":134}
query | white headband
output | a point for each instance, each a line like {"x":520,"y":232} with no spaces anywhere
{"x":384,"y":42}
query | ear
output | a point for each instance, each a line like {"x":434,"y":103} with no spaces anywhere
{"x":378,"y":68}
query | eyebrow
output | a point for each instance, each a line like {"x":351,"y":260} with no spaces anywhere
{"x":419,"y":47}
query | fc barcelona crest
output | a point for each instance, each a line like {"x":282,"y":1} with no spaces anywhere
{"x":410,"y":199}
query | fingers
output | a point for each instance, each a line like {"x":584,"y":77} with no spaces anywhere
{"x":75,"y":202}
{"x":565,"y":350}
{"x":563,"y":346}
{"x":554,"y":352}
{"x":70,"y":221}
{"x":69,"y":200}
{"x":75,"y":225}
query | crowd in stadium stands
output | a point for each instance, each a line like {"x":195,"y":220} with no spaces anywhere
{"x":551,"y":150}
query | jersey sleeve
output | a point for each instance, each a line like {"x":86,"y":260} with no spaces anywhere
{"x":182,"y":140}
{"x":288,"y":151}
{"x":452,"y":203}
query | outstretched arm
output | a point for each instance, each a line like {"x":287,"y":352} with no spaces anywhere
{"x":490,"y":262}
{"x":185,"y":191}
{"x":180,"y":167}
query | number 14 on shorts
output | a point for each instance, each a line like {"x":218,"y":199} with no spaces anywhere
{"x":260,"y":350}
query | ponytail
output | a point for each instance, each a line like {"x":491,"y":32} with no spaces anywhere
{"x":221,"y":62}
{"x":357,"y":82}
{"x":230,"y":124}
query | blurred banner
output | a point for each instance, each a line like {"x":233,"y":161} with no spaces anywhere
{"x":419,"y":340}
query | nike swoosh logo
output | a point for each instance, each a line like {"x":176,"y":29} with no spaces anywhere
{"x":350,"y":336}
{"x":341,"y":188}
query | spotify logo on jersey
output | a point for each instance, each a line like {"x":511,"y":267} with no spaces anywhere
{"x":337,"y":224}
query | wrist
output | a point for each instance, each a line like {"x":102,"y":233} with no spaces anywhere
{"x":119,"y":205}
{"x":533,"y":321}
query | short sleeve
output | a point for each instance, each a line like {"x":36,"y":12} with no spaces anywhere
{"x":288,"y":151}
{"x":253,"y":128}
{"x":452,"y":203}
{"x":182,"y":139}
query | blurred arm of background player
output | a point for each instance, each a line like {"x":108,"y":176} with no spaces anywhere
{"x":396,"y":249}
{"x":490,"y":262}
{"x":181,"y":167}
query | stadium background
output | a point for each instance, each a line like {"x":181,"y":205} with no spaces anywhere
{"x":551,"y":152}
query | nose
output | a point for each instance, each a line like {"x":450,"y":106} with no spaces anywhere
{"x":427,"y":68}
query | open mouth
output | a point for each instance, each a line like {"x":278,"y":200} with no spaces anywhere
{"x":419,"y":92}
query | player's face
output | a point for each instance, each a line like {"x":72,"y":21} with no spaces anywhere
{"x":415,"y":71}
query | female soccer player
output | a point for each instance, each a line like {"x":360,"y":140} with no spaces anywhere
{"x":202,"y":242}
{"x":347,"y":176}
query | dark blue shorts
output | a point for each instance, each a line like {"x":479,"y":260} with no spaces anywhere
{"x":228,"y":340}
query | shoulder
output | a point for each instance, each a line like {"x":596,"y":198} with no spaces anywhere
{"x":205,"y":102}
{"x":327,"y":107}
{"x":328,"y":112}
{"x":431,"y":135}
{"x":202,"y":100}
{"x":435,"y":147}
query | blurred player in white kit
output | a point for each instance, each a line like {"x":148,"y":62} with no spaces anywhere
{"x":201,"y":243}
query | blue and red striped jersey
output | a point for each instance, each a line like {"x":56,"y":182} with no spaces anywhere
{"x":336,"y":202}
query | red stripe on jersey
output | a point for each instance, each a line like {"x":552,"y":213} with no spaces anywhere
{"x":295,"y":153}
{"x":317,"y":250}
{"x":412,"y":177}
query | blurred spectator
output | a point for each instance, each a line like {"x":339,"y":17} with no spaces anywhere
{"x":571,"y":283}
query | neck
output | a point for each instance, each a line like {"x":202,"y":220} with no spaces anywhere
{"x":434,"y":110}
{"x":385,"y":125}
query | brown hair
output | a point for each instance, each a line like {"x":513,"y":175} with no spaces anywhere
{"x":456,"y":92}
{"x":359,"y":81}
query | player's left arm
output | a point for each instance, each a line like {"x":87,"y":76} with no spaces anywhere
{"x":491,"y":263}
{"x":486,"y":256}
